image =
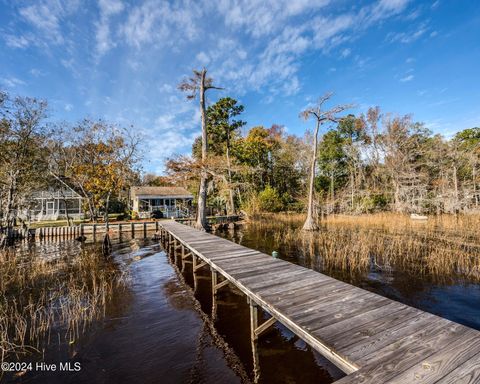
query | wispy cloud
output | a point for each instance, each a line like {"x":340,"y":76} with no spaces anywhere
{"x":16,"y":41}
{"x":161,"y":23}
{"x":345,"y":53}
{"x":45,"y":16}
{"x":11,"y":82}
{"x":407,"y":78}
{"x":260,"y":17}
{"x":108,"y":8}
{"x":410,"y":36}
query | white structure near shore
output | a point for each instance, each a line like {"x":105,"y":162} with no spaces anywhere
{"x":171,"y":201}
{"x":54,"y":204}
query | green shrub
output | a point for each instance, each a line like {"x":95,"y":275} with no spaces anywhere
{"x":269,"y":200}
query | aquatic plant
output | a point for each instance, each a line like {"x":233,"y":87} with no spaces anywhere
{"x":444,"y":246}
{"x":52,"y":293}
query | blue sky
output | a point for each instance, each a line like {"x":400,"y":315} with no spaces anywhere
{"x":122,"y":60}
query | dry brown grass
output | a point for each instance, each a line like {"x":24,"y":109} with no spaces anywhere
{"x":446,"y":246}
{"x":42,"y":297}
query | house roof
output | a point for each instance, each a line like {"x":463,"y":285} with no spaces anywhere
{"x":55,"y":194}
{"x":160,"y":191}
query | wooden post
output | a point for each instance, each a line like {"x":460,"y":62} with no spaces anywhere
{"x":214,"y":293}
{"x":173,"y":256}
{"x":194,"y":265}
{"x":254,"y":341}
{"x":81,"y":230}
{"x":132,"y":227}
{"x":144,"y":229}
{"x":94,"y":231}
{"x":183,"y":258}
{"x":177,"y":253}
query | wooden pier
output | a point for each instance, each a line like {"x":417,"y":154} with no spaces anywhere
{"x":371,"y":338}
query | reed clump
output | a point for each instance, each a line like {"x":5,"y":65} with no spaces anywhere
{"x":53,"y":294}
{"x":445,"y":246}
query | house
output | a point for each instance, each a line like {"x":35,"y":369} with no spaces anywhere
{"x":171,"y":201}
{"x":54,"y":204}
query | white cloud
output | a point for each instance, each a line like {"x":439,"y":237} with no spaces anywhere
{"x":275,"y":64}
{"x":11,"y":82}
{"x":68,"y":107}
{"x":408,"y":37}
{"x":202,"y":58}
{"x":407,"y":78}
{"x":263,"y":17}
{"x":47,"y":15}
{"x":16,"y":41}
{"x":384,"y":9}
{"x":162,"y":23}
{"x":345,"y":53}
{"x":108,"y":8}
{"x":36,"y":72}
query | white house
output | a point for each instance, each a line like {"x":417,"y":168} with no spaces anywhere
{"x":54,"y":204}
{"x":171,"y":201}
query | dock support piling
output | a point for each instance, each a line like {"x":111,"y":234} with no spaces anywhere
{"x":194,"y":269}
{"x":254,"y":340}
{"x":214,"y":293}
{"x":183,"y":258}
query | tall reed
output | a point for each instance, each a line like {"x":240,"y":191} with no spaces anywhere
{"x":50,"y":293}
{"x":444,"y":246}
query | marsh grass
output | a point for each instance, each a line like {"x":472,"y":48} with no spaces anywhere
{"x":52,"y":295}
{"x":444,"y":246}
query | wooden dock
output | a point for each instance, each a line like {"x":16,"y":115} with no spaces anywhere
{"x":371,"y":338}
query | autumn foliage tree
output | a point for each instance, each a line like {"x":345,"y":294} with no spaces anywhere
{"x":99,"y":160}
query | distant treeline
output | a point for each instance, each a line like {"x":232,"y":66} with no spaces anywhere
{"x":365,"y":163}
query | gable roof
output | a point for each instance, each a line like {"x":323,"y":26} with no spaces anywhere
{"x":159,"y":191}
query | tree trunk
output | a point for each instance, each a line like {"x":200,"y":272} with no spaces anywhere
{"x":311,"y":223}
{"x":352,"y":190}
{"x":455,"y":185}
{"x":396,"y":197}
{"x":332,"y":191}
{"x":107,"y":203}
{"x":67,"y":216}
{"x":202,"y":194}
{"x":231,"y":205}
{"x":9,"y":216}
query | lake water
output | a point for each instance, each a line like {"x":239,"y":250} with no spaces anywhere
{"x":159,"y":331}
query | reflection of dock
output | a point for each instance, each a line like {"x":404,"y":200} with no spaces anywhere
{"x":371,"y":338}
